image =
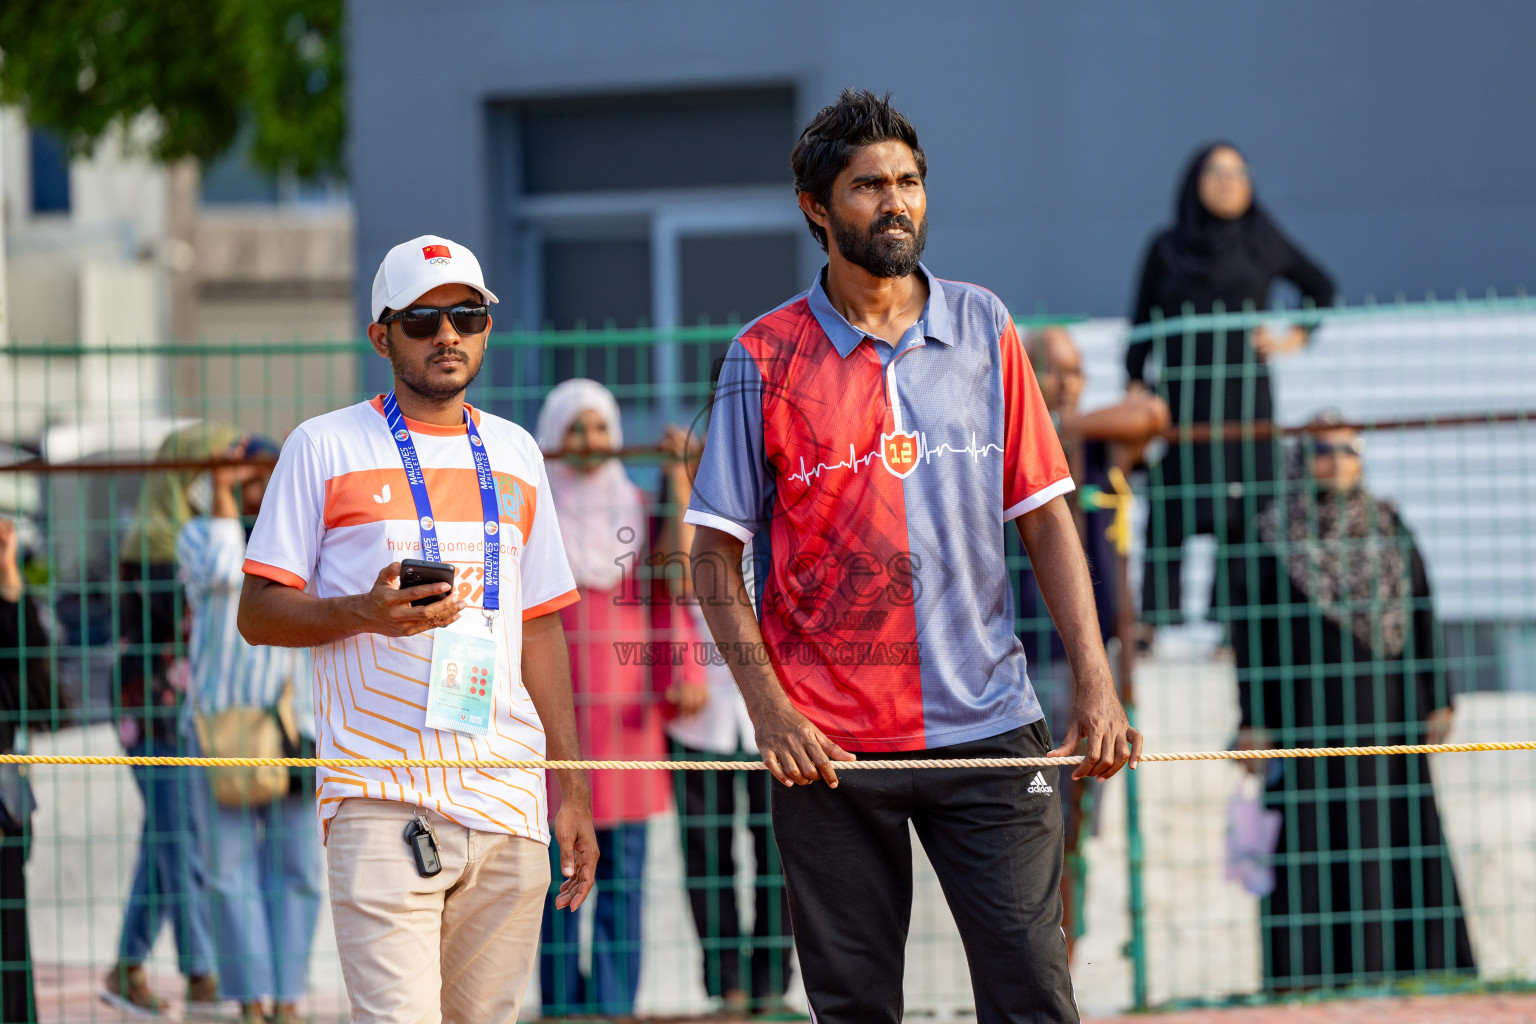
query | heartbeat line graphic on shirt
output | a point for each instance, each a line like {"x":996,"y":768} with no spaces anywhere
{"x":855,"y":461}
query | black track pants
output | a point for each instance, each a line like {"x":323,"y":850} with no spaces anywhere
{"x":993,"y":835}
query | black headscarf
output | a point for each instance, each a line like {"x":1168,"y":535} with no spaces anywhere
{"x":1204,"y":249}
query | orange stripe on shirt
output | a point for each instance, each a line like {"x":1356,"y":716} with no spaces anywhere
{"x":389,"y":645}
{"x":554,"y":604}
{"x":450,"y":817}
{"x":272,"y":572}
{"x":379,"y":716}
{"x":374,"y":651}
{"x":367,"y":496}
{"x":459,"y":755}
{"x":489,"y":796}
{"x":346,"y":725}
{"x":512,"y":739}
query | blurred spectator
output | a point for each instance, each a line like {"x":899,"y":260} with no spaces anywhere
{"x":1223,"y":253}
{"x":265,"y":856}
{"x":1337,"y":645}
{"x":152,"y":607}
{"x":26,"y":702}
{"x":1094,"y":442}
{"x":747,"y":973}
{"x":171,"y":877}
{"x":618,"y":714}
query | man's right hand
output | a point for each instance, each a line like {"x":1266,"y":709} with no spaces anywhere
{"x":387,"y":610}
{"x":795,"y":751}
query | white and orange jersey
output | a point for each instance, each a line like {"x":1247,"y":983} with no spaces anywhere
{"x":337,"y":511}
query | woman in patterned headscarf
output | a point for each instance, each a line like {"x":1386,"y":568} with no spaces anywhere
{"x":1335,"y":638}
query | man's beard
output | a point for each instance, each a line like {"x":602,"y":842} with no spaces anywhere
{"x":416,"y":378}
{"x":879,"y":254}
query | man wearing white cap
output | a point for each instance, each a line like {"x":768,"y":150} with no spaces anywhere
{"x":437,"y":876}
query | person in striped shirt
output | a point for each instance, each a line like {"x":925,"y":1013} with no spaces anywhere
{"x":266,"y":859}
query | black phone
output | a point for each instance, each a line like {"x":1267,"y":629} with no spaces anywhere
{"x":416,"y":573}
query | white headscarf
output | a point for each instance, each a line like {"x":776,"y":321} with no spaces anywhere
{"x":602,"y":514}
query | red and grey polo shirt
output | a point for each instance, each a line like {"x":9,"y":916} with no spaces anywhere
{"x":874,"y":482}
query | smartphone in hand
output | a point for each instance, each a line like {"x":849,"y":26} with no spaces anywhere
{"x":416,"y":573}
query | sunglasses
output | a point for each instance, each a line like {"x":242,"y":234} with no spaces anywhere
{"x":424,"y":321}
{"x":1355,"y":447}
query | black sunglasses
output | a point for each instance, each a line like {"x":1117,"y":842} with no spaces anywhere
{"x":423,"y":321}
{"x":1355,"y":447}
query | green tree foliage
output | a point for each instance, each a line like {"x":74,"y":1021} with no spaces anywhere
{"x":203,"y":68}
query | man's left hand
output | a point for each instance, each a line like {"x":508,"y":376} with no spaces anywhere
{"x":1099,"y":721}
{"x":578,"y":852}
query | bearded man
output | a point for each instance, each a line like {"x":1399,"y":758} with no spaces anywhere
{"x":870,"y":438}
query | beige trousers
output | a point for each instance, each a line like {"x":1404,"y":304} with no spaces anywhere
{"x":456,"y":948}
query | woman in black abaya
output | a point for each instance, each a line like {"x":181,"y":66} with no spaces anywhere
{"x":1224,"y":253}
{"x":1337,"y":647}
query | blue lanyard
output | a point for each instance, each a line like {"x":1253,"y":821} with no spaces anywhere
{"x":428,"y":525}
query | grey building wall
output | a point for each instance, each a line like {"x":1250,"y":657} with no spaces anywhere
{"x":1394,"y":139}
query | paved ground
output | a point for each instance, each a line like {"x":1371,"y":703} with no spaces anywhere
{"x":1496,"y":1009}
{"x":67,"y":995}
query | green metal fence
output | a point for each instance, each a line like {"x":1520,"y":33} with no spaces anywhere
{"x":1271,"y":608}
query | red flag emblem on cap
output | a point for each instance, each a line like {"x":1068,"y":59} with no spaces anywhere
{"x":435,"y":252}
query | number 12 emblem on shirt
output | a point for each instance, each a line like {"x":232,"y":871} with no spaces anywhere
{"x":899,"y":453}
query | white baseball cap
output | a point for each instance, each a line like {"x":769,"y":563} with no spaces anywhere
{"x":411,"y":269}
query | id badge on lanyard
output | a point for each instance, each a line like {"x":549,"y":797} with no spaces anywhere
{"x":462,"y":685}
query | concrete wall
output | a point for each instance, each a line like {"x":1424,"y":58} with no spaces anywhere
{"x":1393,"y":139}
{"x":270,"y":276}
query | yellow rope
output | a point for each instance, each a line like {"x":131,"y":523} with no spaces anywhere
{"x":730,"y":766}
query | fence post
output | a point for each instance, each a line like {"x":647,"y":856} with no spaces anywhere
{"x":1125,"y":630}
{"x":1136,"y":948}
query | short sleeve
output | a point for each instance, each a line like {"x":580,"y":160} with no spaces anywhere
{"x":1034,"y":466}
{"x":548,"y":584}
{"x":732,"y":481}
{"x":285,"y":542}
